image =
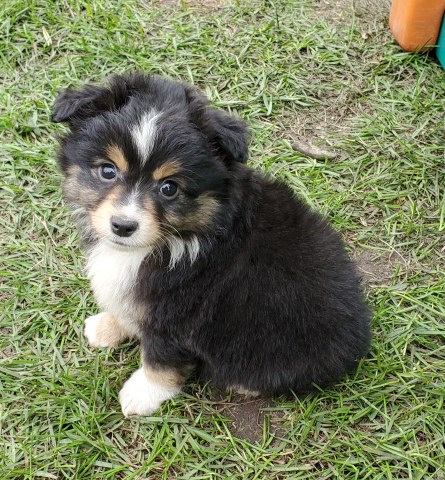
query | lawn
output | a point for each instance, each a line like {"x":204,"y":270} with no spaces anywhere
{"x":323,"y":71}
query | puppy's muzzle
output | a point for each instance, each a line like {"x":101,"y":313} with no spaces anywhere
{"x":123,"y":226}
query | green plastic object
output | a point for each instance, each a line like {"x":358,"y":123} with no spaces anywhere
{"x":440,"y":50}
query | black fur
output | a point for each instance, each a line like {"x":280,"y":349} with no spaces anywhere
{"x":272,"y":303}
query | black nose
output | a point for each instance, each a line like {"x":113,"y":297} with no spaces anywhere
{"x":123,"y":227}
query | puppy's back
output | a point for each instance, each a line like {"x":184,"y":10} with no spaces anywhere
{"x":290,"y":311}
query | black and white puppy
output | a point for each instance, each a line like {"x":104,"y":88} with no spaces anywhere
{"x":215,"y":268}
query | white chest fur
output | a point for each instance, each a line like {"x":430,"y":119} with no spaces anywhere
{"x":113,"y":274}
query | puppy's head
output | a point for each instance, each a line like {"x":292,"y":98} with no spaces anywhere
{"x":146,"y":161}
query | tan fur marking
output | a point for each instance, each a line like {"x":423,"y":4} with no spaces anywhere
{"x":149,"y":223}
{"x":164,"y":377}
{"x":105,"y":210}
{"x":108,"y":331}
{"x":116,"y":155}
{"x":149,"y":208}
{"x":73,"y":171}
{"x":204,"y":214}
{"x":72,"y":185}
{"x":169,"y":168}
{"x":206,"y":210}
{"x":199,"y":219}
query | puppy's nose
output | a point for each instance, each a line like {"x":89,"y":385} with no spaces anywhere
{"x":123,"y":227}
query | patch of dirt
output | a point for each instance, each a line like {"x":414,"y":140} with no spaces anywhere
{"x":334,"y":10}
{"x":5,"y":296}
{"x":320,"y":128}
{"x":374,"y":268}
{"x":205,"y":5}
{"x":373,"y":10}
{"x":247,"y":416}
{"x":339,"y":109}
{"x":366,"y":10}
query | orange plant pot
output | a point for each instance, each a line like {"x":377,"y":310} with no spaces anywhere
{"x":415,"y":24}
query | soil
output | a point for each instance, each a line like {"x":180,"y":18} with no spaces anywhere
{"x":204,"y":5}
{"x":374,"y":268}
{"x":248,"y":415}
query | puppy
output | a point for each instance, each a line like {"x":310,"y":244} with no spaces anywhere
{"x":213,"y":267}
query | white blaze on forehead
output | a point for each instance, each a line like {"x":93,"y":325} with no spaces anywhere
{"x":144,"y":134}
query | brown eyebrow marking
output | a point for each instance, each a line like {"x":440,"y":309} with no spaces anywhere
{"x":169,"y":168}
{"x":116,"y":155}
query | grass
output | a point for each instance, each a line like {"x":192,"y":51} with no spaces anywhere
{"x":291,"y":68}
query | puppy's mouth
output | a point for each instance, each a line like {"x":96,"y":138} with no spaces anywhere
{"x":122,"y":245}
{"x":118,"y":243}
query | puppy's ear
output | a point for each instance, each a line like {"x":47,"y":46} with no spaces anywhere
{"x":227,"y":133}
{"x":75,"y":105}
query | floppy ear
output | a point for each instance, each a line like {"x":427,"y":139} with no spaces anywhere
{"x":74,"y":105}
{"x":230,"y":134}
{"x":227,"y":133}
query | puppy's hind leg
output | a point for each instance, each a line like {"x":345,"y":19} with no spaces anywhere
{"x":103,"y":330}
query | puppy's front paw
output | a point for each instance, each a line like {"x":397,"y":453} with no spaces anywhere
{"x":140,"y":396}
{"x":102,"y":330}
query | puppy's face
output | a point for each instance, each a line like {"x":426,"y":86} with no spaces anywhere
{"x":147,"y":160}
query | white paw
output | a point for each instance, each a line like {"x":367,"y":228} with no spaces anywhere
{"x":99,"y":331}
{"x":90,"y":331}
{"x":140,"y":396}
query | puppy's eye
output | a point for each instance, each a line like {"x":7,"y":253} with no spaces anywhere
{"x":107,"y":172}
{"x":169,"y":189}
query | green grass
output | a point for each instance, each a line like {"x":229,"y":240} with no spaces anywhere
{"x":290,"y":68}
